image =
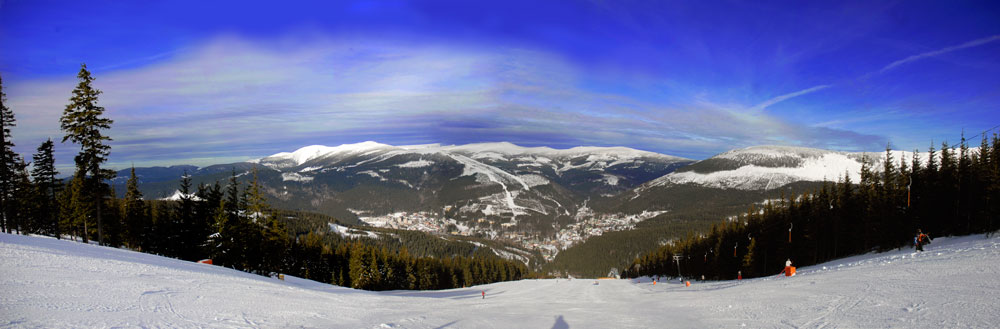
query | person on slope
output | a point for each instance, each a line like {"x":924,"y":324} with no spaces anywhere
{"x":920,"y":240}
{"x":788,"y":270}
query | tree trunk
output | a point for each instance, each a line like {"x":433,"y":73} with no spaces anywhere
{"x":85,"y":239}
{"x":100,"y":228}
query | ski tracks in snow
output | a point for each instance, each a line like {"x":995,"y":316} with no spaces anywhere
{"x":61,"y":284}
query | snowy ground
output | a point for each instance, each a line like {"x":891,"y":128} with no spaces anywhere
{"x":50,"y":283}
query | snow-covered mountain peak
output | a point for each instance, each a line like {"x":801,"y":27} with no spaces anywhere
{"x":595,"y":152}
{"x":769,"y":167}
{"x":773,"y":151}
{"x":506,"y":148}
{"x":498,"y":150}
{"x":619,"y":152}
{"x":305,"y":154}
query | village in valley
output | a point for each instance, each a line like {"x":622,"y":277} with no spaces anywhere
{"x":587,"y":224}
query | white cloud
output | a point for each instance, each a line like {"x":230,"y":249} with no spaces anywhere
{"x":234,"y":99}
{"x":944,"y":50}
{"x":784,"y":97}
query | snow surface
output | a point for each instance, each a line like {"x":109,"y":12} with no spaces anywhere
{"x":311,"y":152}
{"x":290,"y":176}
{"x":416,"y":164}
{"x":347,"y":232}
{"x":485,"y":151}
{"x":63,"y":284}
{"x":178,"y":195}
{"x":816,"y":165}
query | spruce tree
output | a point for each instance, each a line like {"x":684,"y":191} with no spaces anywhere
{"x":964,"y":186}
{"x":206,"y":208}
{"x":184,"y":216}
{"x":230,"y":239}
{"x":8,"y":161}
{"x":44,"y":174}
{"x":135,"y":214}
{"x":23,"y":207}
{"x":257,"y":212}
{"x":75,"y":206}
{"x":83,"y":121}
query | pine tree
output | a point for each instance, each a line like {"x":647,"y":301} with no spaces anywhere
{"x":8,"y":161}
{"x":23,"y":208}
{"x":984,"y":177}
{"x":134,"y":212}
{"x":231,"y":241}
{"x":257,"y":215}
{"x":359,"y":276}
{"x":113,"y":226}
{"x":964,"y":185}
{"x":184,"y":222}
{"x":82,"y":121}
{"x":75,"y":206}
{"x":257,"y":208}
{"x":206,"y":209}
{"x":44,"y":175}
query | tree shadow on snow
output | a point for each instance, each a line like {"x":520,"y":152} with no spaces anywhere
{"x":452,"y":294}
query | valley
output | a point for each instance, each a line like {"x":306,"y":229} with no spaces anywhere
{"x":538,"y":198}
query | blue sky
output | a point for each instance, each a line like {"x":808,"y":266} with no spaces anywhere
{"x":194,"y":83}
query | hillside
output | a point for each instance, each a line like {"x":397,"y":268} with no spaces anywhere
{"x":533,"y":196}
{"x":603,"y":205}
{"x":63,"y":284}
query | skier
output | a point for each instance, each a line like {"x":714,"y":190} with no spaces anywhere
{"x":789,"y":270}
{"x":739,"y":275}
{"x":920,"y":240}
{"x":484,"y":294}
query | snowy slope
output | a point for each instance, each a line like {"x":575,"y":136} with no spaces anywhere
{"x":770,"y":167}
{"x":62,"y":284}
{"x":590,"y":158}
{"x":308,"y":153}
{"x":508,"y":182}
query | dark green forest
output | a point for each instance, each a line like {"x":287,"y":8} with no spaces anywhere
{"x":231,"y":223}
{"x":692,"y":208}
{"x":948,"y":192}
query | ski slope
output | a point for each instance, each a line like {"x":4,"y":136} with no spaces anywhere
{"x":62,"y":284}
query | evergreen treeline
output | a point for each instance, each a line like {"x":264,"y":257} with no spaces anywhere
{"x":232,"y":225}
{"x":692,"y":208}
{"x":953,"y":192}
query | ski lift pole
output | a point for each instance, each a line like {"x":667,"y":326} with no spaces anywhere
{"x":677,"y":258}
{"x":908,"y":184}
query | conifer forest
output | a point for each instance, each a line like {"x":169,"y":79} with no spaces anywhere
{"x":946,"y":192}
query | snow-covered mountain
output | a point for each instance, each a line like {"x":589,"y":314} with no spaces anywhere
{"x":492,"y":186}
{"x":499,"y":182}
{"x":528,"y":159}
{"x":771,"y":167}
{"x":730,"y":181}
{"x":541,"y":197}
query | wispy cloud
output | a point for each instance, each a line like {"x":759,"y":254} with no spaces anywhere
{"x":785,"y":97}
{"x":944,"y":50}
{"x":890,"y":66}
{"x":233,"y":99}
